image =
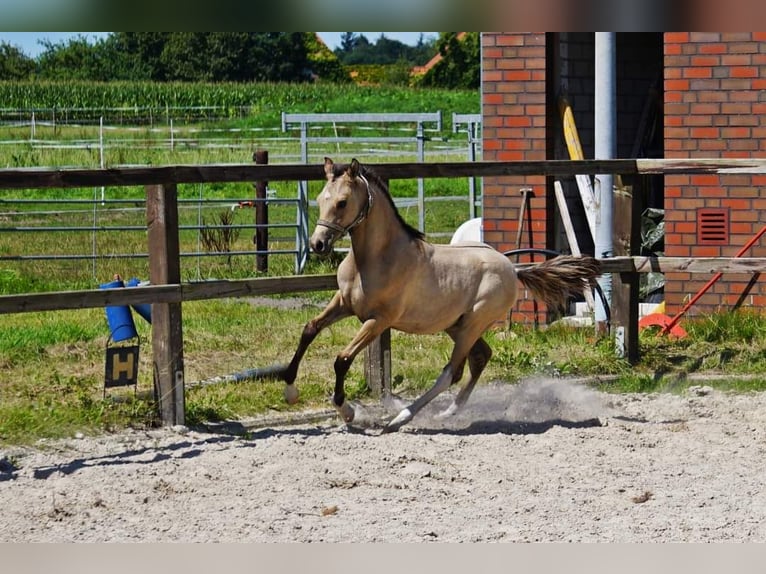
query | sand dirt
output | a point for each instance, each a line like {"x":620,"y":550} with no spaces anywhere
{"x":544,"y":460}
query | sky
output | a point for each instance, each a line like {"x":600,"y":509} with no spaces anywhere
{"x":28,"y":42}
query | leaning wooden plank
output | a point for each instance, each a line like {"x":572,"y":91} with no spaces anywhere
{"x":584,"y":183}
{"x":574,"y":247}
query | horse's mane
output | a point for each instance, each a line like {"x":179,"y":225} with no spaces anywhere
{"x":373,"y":178}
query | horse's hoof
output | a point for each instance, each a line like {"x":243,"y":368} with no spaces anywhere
{"x":448,"y":412}
{"x":291,"y":394}
{"x":346,"y":412}
{"x":402,"y":418}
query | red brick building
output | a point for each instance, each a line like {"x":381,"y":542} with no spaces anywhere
{"x":679,"y":95}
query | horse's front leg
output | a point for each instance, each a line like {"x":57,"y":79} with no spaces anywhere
{"x":371,"y":328}
{"x":335,"y":311}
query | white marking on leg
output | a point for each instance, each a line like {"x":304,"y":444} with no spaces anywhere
{"x":403,"y":417}
{"x":449,"y":411}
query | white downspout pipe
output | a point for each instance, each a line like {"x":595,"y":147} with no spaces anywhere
{"x":605,"y":148}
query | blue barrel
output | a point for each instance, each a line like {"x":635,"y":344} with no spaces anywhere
{"x":119,"y":317}
{"x":143,"y":309}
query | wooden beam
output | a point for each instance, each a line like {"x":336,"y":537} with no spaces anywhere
{"x":29,"y":178}
{"x":198,"y":291}
{"x":93,"y":298}
{"x":167,"y":335}
{"x":377,"y":365}
{"x":710,"y":265}
{"x":625,"y":286}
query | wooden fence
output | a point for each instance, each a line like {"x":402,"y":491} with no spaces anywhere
{"x":166,"y":292}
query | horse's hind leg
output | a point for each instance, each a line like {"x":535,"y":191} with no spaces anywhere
{"x":478,"y":358}
{"x":335,"y":311}
{"x":465,"y":340}
{"x":407,"y":414}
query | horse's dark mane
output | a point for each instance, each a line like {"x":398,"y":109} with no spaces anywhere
{"x":373,"y":178}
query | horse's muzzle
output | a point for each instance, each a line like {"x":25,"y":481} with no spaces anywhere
{"x":322,"y":240}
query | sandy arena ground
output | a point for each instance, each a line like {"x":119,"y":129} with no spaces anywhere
{"x":546,"y":460}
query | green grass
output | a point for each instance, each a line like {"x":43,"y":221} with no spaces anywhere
{"x":257,"y":104}
{"x":52,"y":364}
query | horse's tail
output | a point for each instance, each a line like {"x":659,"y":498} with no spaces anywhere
{"x":556,"y":279}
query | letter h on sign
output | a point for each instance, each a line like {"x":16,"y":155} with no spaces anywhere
{"x":121,"y":366}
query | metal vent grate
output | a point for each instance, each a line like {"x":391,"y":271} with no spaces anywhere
{"x":713,"y":226}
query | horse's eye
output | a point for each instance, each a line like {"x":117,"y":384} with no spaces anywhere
{"x":341,"y":204}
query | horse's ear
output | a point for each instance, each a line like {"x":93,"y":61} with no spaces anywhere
{"x":353,"y":170}
{"x":328,"y":168}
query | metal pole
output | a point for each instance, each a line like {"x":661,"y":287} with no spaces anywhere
{"x":605,"y":148}
{"x":302,"y":231}
{"x":101,"y":152}
{"x":261,"y":238}
{"x":421,"y":193}
{"x":472,"y":138}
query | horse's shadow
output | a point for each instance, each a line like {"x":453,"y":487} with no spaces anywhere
{"x":477,"y":427}
{"x":239,"y":435}
{"x":233,"y":435}
{"x":508,"y":427}
{"x":184,"y":449}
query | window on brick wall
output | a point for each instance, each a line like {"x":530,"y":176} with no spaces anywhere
{"x":713,"y":226}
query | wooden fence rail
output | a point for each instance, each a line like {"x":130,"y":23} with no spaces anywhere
{"x":167,"y":292}
{"x":27,"y":178}
{"x":214,"y":289}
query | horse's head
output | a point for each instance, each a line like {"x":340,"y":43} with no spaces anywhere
{"x":343,"y":203}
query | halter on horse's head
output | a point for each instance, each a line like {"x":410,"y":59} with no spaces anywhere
{"x":344,"y":203}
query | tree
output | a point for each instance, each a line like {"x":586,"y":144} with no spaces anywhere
{"x":143,"y":53}
{"x":189,"y":57}
{"x":323,"y":62}
{"x":185,"y":57}
{"x":227,"y":56}
{"x":460,"y":63}
{"x":14,"y":64}
{"x":75,"y":59}
{"x":356,"y":49}
{"x":347,"y":42}
{"x":276,"y":57}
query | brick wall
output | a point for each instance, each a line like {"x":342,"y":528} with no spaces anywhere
{"x":522,"y":77}
{"x":715,"y":106}
{"x":514,"y":128}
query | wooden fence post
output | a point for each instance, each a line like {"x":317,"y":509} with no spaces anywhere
{"x":377,"y":365}
{"x":165,"y":269}
{"x":261,"y":238}
{"x":626,"y":240}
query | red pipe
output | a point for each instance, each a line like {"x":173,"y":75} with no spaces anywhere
{"x":710,"y":283}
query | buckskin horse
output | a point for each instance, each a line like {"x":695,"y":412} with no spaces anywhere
{"x":393,"y":278}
